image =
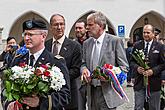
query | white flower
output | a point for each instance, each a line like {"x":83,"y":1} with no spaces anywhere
{"x":56,"y":69}
{"x":141,"y":51}
{"x":57,"y":83}
{"x":25,"y":80}
{"x":21,"y":73}
{"x":57,"y":78}
{"x":117,"y":70}
{"x":45,"y":78}
{"x":17,"y":69}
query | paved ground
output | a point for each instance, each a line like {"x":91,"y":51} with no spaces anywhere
{"x":128,"y":105}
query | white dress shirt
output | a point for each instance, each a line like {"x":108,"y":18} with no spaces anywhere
{"x":36,"y":55}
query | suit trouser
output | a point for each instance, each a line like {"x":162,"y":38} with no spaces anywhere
{"x":154,"y":100}
{"x":98,"y":101}
{"x":129,"y":75}
{"x":162,"y":104}
{"x":82,"y":97}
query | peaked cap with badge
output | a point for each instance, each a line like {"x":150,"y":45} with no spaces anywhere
{"x":157,"y":31}
{"x":34,"y":24}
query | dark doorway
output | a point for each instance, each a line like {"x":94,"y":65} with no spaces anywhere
{"x":138,"y":34}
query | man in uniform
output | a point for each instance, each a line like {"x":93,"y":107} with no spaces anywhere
{"x":35,"y":33}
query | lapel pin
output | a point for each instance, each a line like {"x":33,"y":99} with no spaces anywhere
{"x":153,"y":47}
{"x":65,"y":48}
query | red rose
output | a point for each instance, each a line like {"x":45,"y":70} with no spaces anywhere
{"x":44,"y":66}
{"x":23,"y":64}
{"x":47,"y":73}
{"x":108,"y":66}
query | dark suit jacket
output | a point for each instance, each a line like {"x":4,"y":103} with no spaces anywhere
{"x":71,"y":51}
{"x":6,"y":57}
{"x":163,"y":75}
{"x":60,"y":98}
{"x":2,"y":56}
{"x":156,"y":63}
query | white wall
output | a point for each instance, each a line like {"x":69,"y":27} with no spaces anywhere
{"x":118,"y":11}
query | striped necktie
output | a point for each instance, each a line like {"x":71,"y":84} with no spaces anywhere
{"x":55,"y":48}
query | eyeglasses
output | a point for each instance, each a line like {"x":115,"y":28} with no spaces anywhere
{"x":30,"y":34}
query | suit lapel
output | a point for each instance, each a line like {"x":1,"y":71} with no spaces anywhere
{"x":64,"y":47}
{"x":49,"y":45}
{"x":152,"y":48}
{"x":91,"y":43}
{"x":104,"y":47}
{"x":42,"y":59}
{"x":89,"y":51}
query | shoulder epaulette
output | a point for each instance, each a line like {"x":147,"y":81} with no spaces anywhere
{"x":59,"y":57}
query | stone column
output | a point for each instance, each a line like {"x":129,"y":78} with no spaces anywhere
{"x":1,"y":29}
{"x":1,"y":46}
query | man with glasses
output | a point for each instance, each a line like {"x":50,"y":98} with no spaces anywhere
{"x":60,"y":45}
{"x":35,"y":33}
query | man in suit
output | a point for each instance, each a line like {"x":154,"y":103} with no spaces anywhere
{"x":35,"y":33}
{"x":81,"y":36}
{"x":155,"y":57}
{"x":70,"y":50}
{"x":110,"y":49}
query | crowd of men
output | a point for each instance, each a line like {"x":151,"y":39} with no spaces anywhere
{"x":78,"y":57}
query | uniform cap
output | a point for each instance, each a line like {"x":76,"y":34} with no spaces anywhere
{"x":34,"y":24}
{"x":157,"y":31}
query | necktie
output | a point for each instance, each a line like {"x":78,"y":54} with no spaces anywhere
{"x":31,"y":60}
{"x":55,"y":47}
{"x":95,"y":58}
{"x":147,"y":89}
{"x":146,"y":49}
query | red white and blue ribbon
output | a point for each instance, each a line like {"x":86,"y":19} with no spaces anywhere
{"x":116,"y":84}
